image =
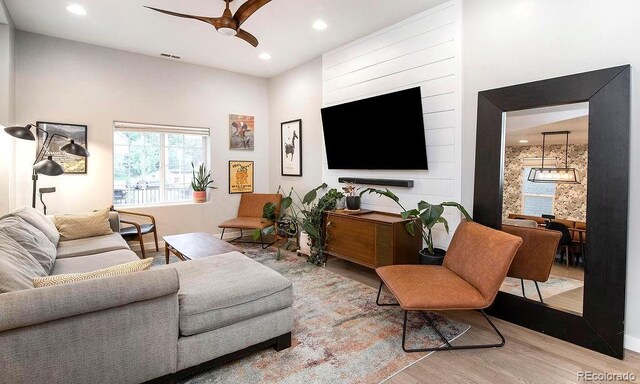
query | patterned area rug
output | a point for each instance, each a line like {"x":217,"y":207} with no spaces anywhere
{"x":554,"y":286}
{"x":340,"y":334}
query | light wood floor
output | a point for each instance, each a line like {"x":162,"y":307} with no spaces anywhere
{"x":527,"y":357}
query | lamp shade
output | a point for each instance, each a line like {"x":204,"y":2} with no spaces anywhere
{"x":48,"y":167}
{"x":554,"y":175}
{"x":75,"y":149}
{"x":21,"y":132}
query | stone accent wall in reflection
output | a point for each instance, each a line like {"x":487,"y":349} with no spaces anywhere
{"x":570,"y":199}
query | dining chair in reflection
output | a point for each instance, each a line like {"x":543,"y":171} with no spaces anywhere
{"x":565,"y":240}
{"x":535,"y":257}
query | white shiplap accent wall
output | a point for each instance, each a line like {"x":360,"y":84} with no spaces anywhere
{"x":423,"y":51}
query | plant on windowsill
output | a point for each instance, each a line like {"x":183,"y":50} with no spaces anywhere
{"x":200,"y":182}
{"x":426,"y":216}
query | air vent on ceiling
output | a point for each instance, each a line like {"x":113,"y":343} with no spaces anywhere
{"x":170,"y":56}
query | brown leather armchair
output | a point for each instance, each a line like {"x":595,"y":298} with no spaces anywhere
{"x":474,"y":268}
{"x":250,"y":215}
{"x":534,"y":259}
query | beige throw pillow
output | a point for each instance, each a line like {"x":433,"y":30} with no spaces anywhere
{"x":134,"y":266}
{"x":81,"y":226}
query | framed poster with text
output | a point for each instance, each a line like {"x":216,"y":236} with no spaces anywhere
{"x":291,"y":148}
{"x":240,"y":176}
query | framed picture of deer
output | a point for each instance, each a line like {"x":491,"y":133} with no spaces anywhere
{"x":291,"y":148}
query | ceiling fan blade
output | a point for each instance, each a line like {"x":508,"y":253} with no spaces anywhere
{"x":246,"y":36}
{"x":208,"y":20}
{"x":247,"y":9}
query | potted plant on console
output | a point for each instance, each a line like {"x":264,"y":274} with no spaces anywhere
{"x":426,"y":216}
{"x":200,"y":182}
{"x":353,"y":200}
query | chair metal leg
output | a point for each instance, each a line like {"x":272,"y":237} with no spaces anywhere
{"x":238,"y":240}
{"x":378,"y":298}
{"x":522,"y":285}
{"x":265,"y":246}
{"x":448,"y":346}
{"x":538,"y":288}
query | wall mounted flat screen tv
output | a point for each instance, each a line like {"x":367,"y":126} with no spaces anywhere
{"x":382,"y":132}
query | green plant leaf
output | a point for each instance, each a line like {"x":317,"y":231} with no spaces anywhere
{"x":311,"y":229}
{"x":256,"y":234}
{"x":460,"y":208}
{"x":444,"y":221}
{"x":312,"y":194}
{"x":410,"y":228}
{"x":269,"y":211}
{"x":285,"y":203}
{"x":430,"y":215}
{"x":410,"y":213}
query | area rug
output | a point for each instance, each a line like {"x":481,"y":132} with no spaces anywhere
{"x":554,"y":286}
{"x":340,"y":335}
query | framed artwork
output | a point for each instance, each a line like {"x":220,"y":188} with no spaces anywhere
{"x":57,"y":137}
{"x":291,"y":148}
{"x":241,"y":132}
{"x":240,"y":176}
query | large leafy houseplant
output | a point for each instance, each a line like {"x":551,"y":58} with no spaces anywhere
{"x":426,"y":215}
{"x":305,"y":213}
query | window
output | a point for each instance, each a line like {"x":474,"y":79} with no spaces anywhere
{"x":537,"y":198}
{"x":152,"y":163}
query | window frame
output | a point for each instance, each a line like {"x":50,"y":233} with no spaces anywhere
{"x":163,"y":131}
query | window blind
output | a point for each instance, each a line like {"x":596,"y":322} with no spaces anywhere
{"x":160,"y":128}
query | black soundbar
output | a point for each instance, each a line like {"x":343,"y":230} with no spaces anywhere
{"x":385,"y":182}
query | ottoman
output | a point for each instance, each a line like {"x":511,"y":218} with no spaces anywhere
{"x":229,"y":303}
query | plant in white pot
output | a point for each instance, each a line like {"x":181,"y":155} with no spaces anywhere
{"x":200,"y":182}
{"x":426,"y":216}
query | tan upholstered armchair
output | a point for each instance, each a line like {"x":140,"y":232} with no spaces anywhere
{"x":534,"y":259}
{"x":250,"y":215}
{"x":474,"y":268}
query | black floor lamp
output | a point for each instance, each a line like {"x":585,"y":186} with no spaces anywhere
{"x":46,"y":166}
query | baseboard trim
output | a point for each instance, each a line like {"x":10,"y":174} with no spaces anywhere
{"x":632,"y":343}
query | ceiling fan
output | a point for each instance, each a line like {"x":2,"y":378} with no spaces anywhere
{"x":227,"y":24}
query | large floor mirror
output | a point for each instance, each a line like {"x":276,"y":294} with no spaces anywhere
{"x":552,"y":163}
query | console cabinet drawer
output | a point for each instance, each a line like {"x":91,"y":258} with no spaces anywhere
{"x":372,"y":239}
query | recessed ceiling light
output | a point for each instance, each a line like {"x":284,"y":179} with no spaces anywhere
{"x":265,"y":56}
{"x":523,"y":141}
{"x":319,"y":25}
{"x":76,"y":9}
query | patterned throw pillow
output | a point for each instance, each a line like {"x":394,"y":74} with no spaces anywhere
{"x":82,"y":226}
{"x":134,"y":266}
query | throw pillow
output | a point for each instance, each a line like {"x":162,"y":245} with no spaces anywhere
{"x":38,"y":220}
{"x":31,"y":239}
{"x":134,"y":266}
{"x":17,"y":267}
{"x":81,"y":226}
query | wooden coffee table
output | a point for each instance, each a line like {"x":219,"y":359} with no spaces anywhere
{"x":190,"y":246}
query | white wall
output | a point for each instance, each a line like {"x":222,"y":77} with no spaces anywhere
{"x":64,"y":81}
{"x":420,"y":51}
{"x":297,"y":94}
{"x":7,"y":110}
{"x":508,"y":42}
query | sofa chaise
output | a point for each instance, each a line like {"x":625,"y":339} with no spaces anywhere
{"x":157,"y":324}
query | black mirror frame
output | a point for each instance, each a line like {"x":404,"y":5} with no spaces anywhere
{"x":601,"y":326}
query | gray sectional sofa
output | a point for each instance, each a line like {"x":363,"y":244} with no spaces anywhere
{"x":156,"y":324}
